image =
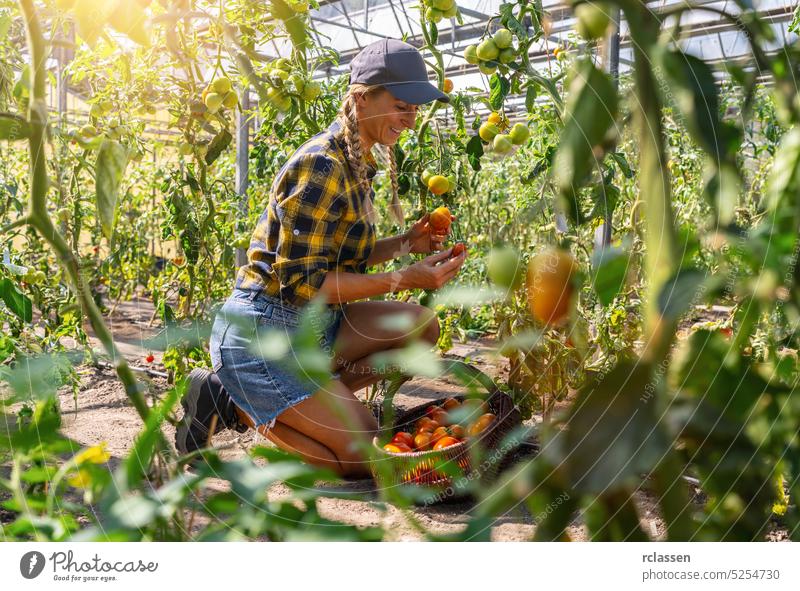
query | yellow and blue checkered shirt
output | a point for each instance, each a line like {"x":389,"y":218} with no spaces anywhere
{"x":316,"y":220}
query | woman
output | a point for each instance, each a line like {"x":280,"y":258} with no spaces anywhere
{"x":315,"y":240}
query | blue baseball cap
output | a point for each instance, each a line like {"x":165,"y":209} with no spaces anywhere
{"x":398,"y":67}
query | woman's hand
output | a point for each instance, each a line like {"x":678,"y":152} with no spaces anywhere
{"x":434,"y":271}
{"x":422,"y":238}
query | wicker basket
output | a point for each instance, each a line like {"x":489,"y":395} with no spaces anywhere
{"x":420,"y":468}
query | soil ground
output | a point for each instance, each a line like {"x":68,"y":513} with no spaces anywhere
{"x":102,"y":412}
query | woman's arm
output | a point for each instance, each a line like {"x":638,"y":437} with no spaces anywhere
{"x":388,"y":249}
{"x":430,"y":273}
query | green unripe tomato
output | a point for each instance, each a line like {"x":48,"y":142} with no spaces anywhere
{"x":488,"y":131}
{"x":507,"y":55}
{"x":231,"y":100}
{"x":214,"y":102}
{"x":592,"y":19}
{"x":502,"y":38}
{"x":63,"y":214}
{"x":451,"y":181}
{"x":279,"y":76}
{"x":487,"y":50}
{"x":283,"y":64}
{"x":88,"y":131}
{"x":433,"y":15}
{"x":311,"y":90}
{"x":502,"y":144}
{"x":426,"y":176}
{"x":185,"y":148}
{"x":504,"y":267}
{"x":107,"y":107}
{"x":487,"y":68}
{"x":519,"y":134}
{"x":221,"y":86}
{"x":442,"y":5}
{"x":96,"y":111}
{"x":451,"y":12}
{"x":471,"y":54}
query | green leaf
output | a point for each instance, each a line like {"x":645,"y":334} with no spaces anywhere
{"x":293,"y":22}
{"x":609,"y":268}
{"x":134,"y":511}
{"x":722,"y":190}
{"x":688,"y":85}
{"x":511,"y":23}
{"x":679,"y":292}
{"x":784,"y":177}
{"x":498,"y":91}
{"x":13,"y":127}
{"x":794,"y":26}
{"x":590,"y":111}
{"x":475,"y":152}
{"x":605,"y":199}
{"x":5,"y":25}
{"x":612,"y":434}
{"x":221,"y":141}
{"x":623,"y":164}
{"x":403,"y":184}
{"x":16,"y":301}
{"x":530,"y":97}
{"x":137,"y":464}
{"x":112,"y":159}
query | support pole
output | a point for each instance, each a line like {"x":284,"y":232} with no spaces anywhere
{"x":63,"y":57}
{"x":242,"y":163}
{"x":602,"y":236}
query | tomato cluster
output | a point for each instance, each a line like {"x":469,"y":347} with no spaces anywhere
{"x":500,"y":135}
{"x":441,"y":427}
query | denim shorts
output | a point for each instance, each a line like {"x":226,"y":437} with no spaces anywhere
{"x":262,"y":388}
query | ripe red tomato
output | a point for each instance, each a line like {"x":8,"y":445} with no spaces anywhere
{"x":441,"y":417}
{"x":431,"y":409}
{"x":427,"y":424}
{"x":450,"y":404}
{"x":150,"y":358}
{"x":404,"y":438}
{"x":457,"y":431}
{"x":458,"y":248}
{"x":397,"y":448}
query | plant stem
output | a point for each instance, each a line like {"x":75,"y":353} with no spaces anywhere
{"x":654,"y":185}
{"x":21,"y":221}
{"x":39,"y":219}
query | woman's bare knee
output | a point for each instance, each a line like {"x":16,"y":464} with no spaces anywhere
{"x":432,"y":328}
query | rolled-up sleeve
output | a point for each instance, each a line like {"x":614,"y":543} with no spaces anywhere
{"x":309,"y":204}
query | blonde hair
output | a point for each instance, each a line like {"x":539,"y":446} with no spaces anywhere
{"x":348,"y":118}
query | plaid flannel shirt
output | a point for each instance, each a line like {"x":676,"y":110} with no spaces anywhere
{"x":316,"y":220}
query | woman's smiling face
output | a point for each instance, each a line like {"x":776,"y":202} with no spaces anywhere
{"x":382,"y":118}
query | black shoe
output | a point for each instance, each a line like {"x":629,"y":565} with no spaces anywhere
{"x":204,"y":399}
